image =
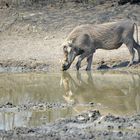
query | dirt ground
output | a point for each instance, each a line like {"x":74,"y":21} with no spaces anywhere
{"x":30,"y":40}
{"x":31,"y":37}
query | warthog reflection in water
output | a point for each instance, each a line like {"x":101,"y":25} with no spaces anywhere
{"x":119,"y":91}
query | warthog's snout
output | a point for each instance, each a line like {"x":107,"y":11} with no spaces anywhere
{"x":65,"y":66}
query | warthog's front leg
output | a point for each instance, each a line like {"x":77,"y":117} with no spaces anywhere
{"x":89,"y":60}
{"x":81,"y":57}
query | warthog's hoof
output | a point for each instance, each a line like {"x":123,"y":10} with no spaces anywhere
{"x":130,"y":64}
{"x":88,"y":69}
{"x":78,"y":66}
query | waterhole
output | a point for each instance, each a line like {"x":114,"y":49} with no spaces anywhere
{"x":35,"y":99}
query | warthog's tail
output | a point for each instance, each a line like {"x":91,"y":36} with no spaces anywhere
{"x":137,"y":32}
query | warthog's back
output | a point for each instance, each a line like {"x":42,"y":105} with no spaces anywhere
{"x":108,"y":35}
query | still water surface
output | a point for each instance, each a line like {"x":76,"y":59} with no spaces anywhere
{"x":116,"y":93}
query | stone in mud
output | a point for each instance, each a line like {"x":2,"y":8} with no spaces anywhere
{"x":7,"y":105}
{"x":81,"y":118}
{"x":111,"y":118}
{"x":89,"y":116}
{"x":110,"y":127}
{"x":120,"y":134}
{"x":91,"y":104}
{"x":119,"y":127}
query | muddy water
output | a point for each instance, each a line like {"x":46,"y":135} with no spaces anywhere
{"x":34,"y":99}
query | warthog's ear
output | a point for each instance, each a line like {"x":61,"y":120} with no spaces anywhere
{"x":69,"y":43}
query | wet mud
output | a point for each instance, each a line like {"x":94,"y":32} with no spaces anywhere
{"x":11,"y":66}
{"x":82,"y":105}
{"x":89,"y":125}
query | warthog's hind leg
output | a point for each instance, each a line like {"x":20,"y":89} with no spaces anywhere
{"x":137,"y":47}
{"x":132,"y":53}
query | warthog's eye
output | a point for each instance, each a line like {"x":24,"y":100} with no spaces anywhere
{"x":65,"y":49}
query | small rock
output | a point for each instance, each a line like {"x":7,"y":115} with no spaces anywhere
{"x":91,"y":103}
{"x":81,"y":118}
{"x":119,"y":127}
{"x":110,"y":127}
{"x":120,"y":134}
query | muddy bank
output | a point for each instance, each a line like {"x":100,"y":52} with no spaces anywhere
{"x":89,"y":125}
{"x":43,"y":66}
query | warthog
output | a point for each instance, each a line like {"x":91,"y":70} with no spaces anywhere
{"x":85,"y":39}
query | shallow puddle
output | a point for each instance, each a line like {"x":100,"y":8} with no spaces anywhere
{"x":67,"y":94}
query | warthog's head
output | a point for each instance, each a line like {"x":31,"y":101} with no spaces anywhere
{"x":69,"y":55}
